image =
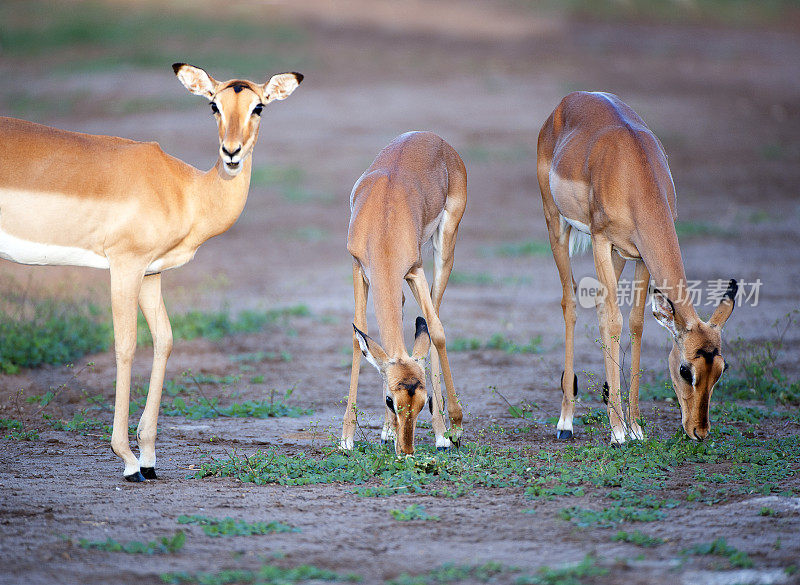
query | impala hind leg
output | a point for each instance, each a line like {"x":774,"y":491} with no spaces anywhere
{"x":360,"y":292}
{"x":125,"y":285}
{"x":641,"y":280}
{"x":610,"y":319}
{"x":152,"y":304}
{"x":419,"y":285}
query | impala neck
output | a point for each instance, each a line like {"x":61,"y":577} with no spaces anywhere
{"x":387,"y":298}
{"x":662,"y":256}
{"x":221,"y":198}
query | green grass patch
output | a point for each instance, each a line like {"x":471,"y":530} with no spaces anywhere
{"x":17,"y":430}
{"x":522,"y":249}
{"x":165,"y":545}
{"x":638,"y":538}
{"x":95,"y":36}
{"x":413,"y":512}
{"x":50,"y":332}
{"x":572,"y":575}
{"x":720,"y":548}
{"x":610,"y":517}
{"x":454,"y":573}
{"x":199,"y":406}
{"x":497,"y":341}
{"x":266,"y":575}
{"x":290,"y":181}
{"x":696,"y":229}
{"x":216,"y":527}
{"x":215,"y":325}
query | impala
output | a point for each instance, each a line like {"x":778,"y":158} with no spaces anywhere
{"x":106,"y":202}
{"x":413,"y":193}
{"x":604,"y":180}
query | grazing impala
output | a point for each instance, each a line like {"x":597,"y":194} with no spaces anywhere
{"x":413,"y":193}
{"x":105,"y":202}
{"x":604,"y":179}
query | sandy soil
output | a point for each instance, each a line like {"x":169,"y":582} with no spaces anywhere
{"x":725,"y":104}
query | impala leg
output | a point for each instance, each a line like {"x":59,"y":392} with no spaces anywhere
{"x":152,"y":304}
{"x":125,"y":284}
{"x":360,"y":291}
{"x":559,"y":243}
{"x":619,"y":265}
{"x":636,"y":323}
{"x":610,"y":319}
{"x":418,"y":283}
{"x":437,"y":404}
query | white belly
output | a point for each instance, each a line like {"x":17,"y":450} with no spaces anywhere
{"x":27,"y":252}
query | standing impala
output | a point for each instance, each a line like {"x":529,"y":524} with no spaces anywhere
{"x":604,"y":178}
{"x":106,"y":202}
{"x":414,"y":192}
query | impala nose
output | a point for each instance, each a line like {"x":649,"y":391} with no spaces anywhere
{"x":231,"y":154}
{"x":702,"y":435}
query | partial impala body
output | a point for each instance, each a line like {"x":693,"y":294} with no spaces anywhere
{"x":604,"y":178}
{"x":105,"y":202}
{"x":413,"y":193}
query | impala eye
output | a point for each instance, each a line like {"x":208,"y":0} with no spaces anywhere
{"x":686,"y":372}
{"x":214,"y":108}
{"x":257,"y":109}
{"x":390,"y":404}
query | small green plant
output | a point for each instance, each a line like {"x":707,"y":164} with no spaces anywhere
{"x":765,"y":511}
{"x":413,"y":512}
{"x":165,"y":545}
{"x":202,"y":407}
{"x":610,"y":517}
{"x":638,"y":538}
{"x":17,"y":430}
{"x":721,"y":548}
{"x":216,"y":527}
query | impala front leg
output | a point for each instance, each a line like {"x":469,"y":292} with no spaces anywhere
{"x":610,"y":319}
{"x":125,"y":285}
{"x":152,"y":305}
{"x":360,"y":291}
{"x":636,"y":323}
{"x":416,"y":279}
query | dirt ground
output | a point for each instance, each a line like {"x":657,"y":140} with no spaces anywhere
{"x":726,"y":104}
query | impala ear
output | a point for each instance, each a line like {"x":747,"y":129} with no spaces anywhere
{"x":195,"y":79}
{"x":726,"y":305}
{"x":370,"y":348}
{"x":664,"y":312}
{"x":422,"y":340}
{"x":280,"y":86}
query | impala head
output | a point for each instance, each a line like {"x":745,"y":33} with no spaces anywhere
{"x":695,"y":362}
{"x":236,"y":105}
{"x":403,"y":382}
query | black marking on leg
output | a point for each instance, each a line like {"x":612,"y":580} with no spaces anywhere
{"x":135,"y":477}
{"x":563,"y":435}
{"x":605,"y":392}
{"x":456,"y":443}
{"x":574,"y":384}
{"x":149,"y":472}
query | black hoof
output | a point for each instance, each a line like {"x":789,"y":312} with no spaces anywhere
{"x":149,"y":472}
{"x":617,"y":445}
{"x":386,"y":441}
{"x":135,"y":477}
{"x":563,"y":435}
{"x":605,"y":392}
{"x":442,"y":448}
{"x":456,"y":444}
